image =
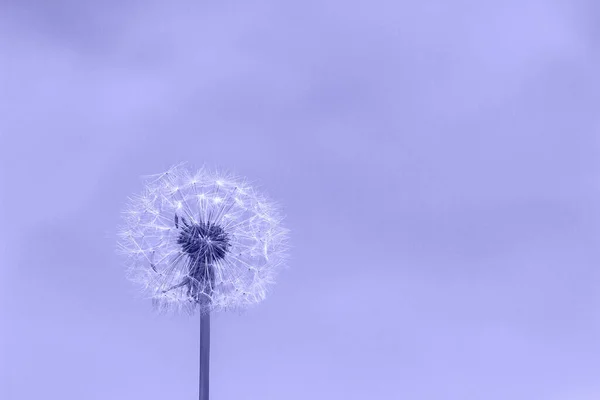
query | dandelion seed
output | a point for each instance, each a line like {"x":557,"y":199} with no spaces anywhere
{"x":203,"y":242}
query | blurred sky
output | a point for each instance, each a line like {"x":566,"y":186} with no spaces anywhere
{"x":438,"y":162}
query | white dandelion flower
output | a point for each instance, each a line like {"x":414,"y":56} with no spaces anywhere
{"x":202,"y":240}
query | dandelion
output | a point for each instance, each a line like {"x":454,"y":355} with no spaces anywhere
{"x":202,"y":242}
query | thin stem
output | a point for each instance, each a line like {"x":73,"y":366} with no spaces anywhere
{"x":204,"y":354}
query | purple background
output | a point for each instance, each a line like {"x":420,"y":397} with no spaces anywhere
{"x":438,"y":162}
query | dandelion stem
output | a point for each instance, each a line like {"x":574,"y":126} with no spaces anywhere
{"x":204,"y":353}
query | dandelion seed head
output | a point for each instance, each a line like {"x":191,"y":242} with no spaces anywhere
{"x":202,"y":241}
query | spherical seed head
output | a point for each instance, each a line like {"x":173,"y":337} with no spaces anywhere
{"x":202,"y":241}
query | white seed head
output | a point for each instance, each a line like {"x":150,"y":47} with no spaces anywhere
{"x":202,"y":240}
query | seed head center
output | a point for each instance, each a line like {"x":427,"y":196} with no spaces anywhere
{"x":204,"y":242}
